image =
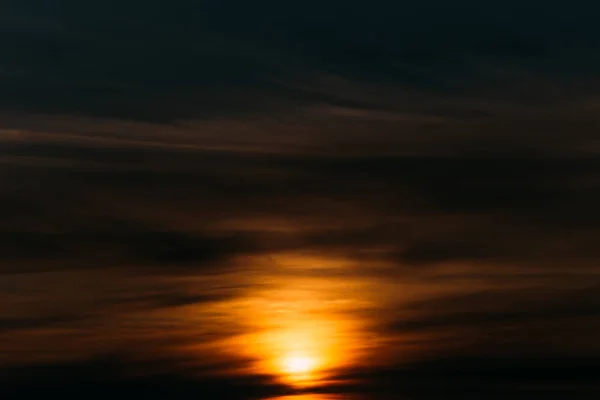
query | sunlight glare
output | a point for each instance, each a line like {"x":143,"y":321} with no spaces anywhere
{"x":298,"y":364}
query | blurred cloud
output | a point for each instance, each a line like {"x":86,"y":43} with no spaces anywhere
{"x":431,"y":171}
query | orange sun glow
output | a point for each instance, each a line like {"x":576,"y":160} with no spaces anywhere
{"x":298,"y":364}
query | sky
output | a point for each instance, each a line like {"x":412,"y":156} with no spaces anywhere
{"x":299,"y":200}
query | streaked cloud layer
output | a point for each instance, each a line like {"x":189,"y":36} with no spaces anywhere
{"x":195,"y":191}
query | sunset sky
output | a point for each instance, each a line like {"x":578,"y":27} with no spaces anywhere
{"x":317,"y":200}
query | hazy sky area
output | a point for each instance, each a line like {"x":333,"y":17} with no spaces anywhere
{"x":314,"y":200}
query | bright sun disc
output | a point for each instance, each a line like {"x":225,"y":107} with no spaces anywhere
{"x":298,"y":364}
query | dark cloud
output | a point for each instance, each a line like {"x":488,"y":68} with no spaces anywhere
{"x":17,"y":245}
{"x":452,"y":318}
{"x":115,"y":375}
{"x":472,"y":378}
{"x":197,"y":59}
{"x":165,"y":167}
{"x":18,"y":324}
{"x":465,"y":378}
{"x":167,"y":300}
{"x":502,"y":208}
{"x":174,"y":248}
{"x":537,"y":317}
{"x":428,"y":253}
{"x":149,"y":248}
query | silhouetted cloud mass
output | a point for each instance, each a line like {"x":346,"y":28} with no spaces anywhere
{"x":179,"y":179}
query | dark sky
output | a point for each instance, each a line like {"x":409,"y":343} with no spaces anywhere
{"x":265,"y":198}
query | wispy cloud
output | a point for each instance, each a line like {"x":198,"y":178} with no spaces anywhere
{"x":171,"y":176}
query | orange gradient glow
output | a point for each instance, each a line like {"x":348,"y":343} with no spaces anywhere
{"x":301,"y":326}
{"x":301,"y":350}
{"x":310,"y":396}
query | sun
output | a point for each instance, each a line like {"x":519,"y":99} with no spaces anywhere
{"x":298,"y":364}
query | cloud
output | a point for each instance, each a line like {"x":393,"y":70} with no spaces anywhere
{"x":507,"y":206}
{"x":160,"y":249}
{"x":118,"y":375}
{"x":112,"y":375}
{"x":27,"y":323}
{"x":196,"y":62}
{"x":501,"y":308}
{"x":173,"y":248}
{"x":160,"y":150}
